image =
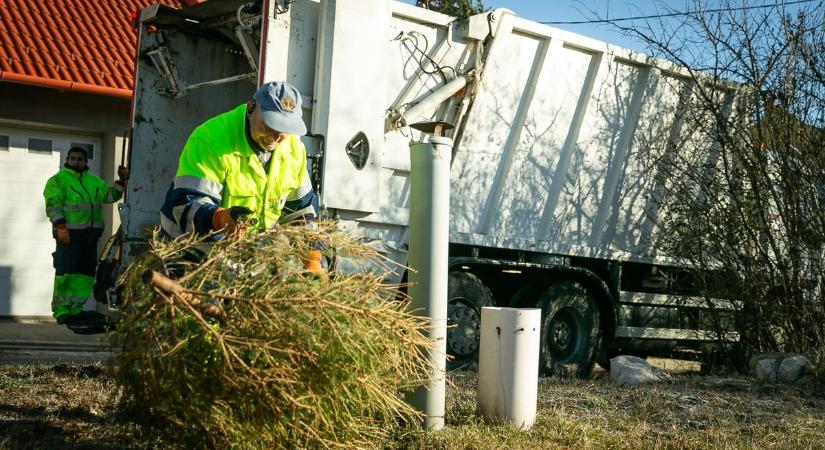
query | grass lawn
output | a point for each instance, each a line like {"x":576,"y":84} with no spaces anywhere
{"x":75,"y":406}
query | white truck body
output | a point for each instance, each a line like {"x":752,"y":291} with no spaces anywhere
{"x":546,"y":169}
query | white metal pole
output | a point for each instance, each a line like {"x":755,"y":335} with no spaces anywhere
{"x":508,"y":365}
{"x":429,"y":245}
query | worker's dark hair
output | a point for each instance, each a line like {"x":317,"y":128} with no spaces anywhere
{"x":78,"y":150}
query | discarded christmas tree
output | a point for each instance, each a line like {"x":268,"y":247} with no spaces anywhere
{"x":238,"y":346}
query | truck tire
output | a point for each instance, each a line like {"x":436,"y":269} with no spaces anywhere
{"x":466,"y":296}
{"x":570,"y":332}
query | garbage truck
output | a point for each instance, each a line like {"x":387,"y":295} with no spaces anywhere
{"x":550,"y":205}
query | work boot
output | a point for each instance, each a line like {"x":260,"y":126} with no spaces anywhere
{"x":64,"y":319}
{"x":90,"y":322}
{"x":68,"y":317}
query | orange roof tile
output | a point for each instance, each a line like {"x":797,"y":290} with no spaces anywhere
{"x":78,"y":45}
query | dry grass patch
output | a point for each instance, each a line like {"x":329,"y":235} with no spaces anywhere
{"x":687,"y":411}
{"x":64,"y":406}
{"x":76,"y":407}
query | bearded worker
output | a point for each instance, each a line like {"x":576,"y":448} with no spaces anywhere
{"x":248,"y":162}
{"x":73,"y":204}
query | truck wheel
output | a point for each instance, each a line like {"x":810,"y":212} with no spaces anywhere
{"x":570,"y":333}
{"x":467,"y":295}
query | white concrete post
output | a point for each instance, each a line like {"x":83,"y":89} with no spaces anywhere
{"x":429,"y":246}
{"x":508,"y":365}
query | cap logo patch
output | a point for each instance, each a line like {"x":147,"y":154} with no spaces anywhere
{"x":288,"y":103}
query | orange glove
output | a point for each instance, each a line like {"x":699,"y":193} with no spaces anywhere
{"x":226,"y":219}
{"x":222,"y":220}
{"x":312,"y":264}
{"x":62,"y":233}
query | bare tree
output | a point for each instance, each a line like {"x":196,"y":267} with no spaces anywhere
{"x":747,"y":196}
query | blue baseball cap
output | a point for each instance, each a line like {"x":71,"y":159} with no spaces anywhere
{"x":280,"y":106}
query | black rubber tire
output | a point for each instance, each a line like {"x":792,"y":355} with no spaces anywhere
{"x":570,"y":331}
{"x":466,"y":296}
{"x":527,"y":294}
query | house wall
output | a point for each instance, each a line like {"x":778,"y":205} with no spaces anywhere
{"x":25,"y":106}
{"x":64,"y":117}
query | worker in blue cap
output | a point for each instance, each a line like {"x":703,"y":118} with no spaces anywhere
{"x":248,"y":162}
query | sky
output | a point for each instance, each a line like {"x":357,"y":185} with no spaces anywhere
{"x":582,"y":10}
{"x":576,"y":10}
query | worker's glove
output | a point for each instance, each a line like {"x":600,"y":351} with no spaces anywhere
{"x":61,"y":233}
{"x":312,"y":264}
{"x":226,"y":219}
{"x":122,"y":175}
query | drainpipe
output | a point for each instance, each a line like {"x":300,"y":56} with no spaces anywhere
{"x":429,"y":250}
{"x":64,"y":85}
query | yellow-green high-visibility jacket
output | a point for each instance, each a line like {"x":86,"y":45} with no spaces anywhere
{"x":76,"y":198}
{"x":218,"y":167}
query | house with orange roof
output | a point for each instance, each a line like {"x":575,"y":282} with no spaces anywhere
{"x":66,"y":75}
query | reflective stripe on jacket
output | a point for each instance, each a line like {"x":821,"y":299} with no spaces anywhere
{"x":76,"y":199}
{"x":218,"y":167}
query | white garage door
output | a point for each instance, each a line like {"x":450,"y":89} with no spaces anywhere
{"x":28,"y":157}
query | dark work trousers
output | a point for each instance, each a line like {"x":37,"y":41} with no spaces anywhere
{"x":74,"y":265}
